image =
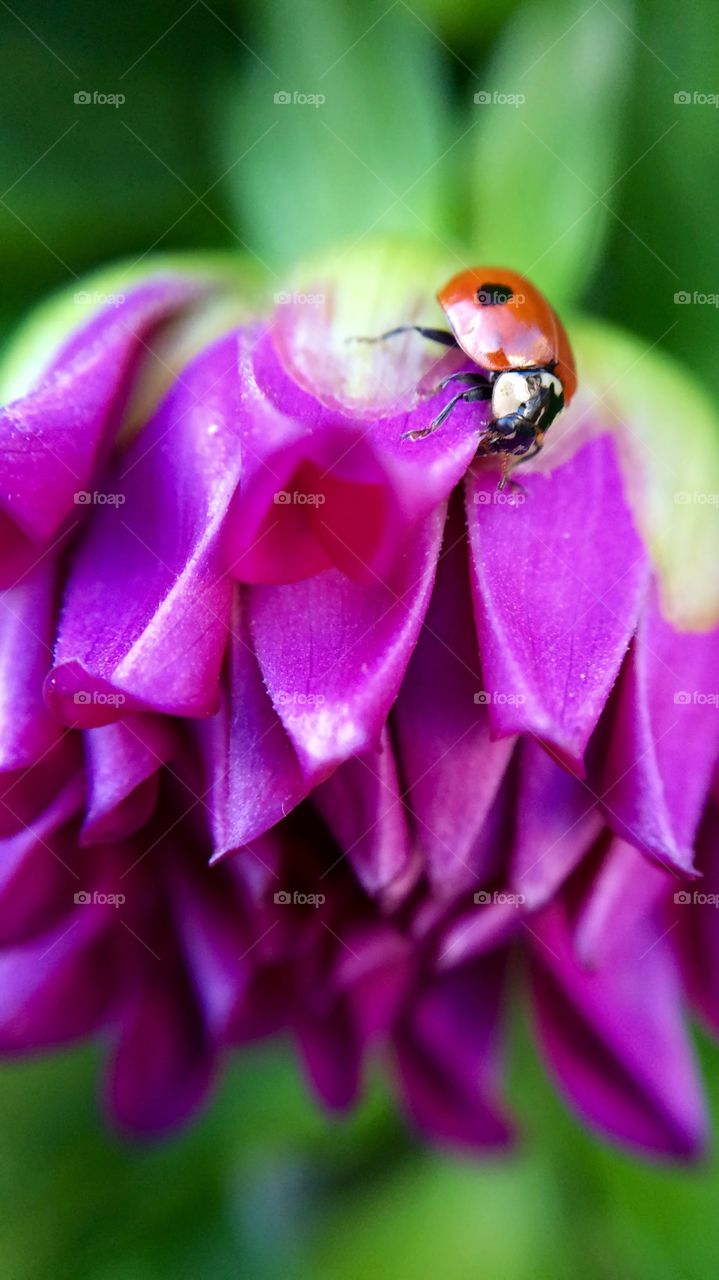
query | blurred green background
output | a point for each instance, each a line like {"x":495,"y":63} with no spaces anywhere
{"x":578,"y":165}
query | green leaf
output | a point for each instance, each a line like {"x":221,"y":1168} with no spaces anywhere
{"x":666,"y":242}
{"x":668,"y":434}
{"x":541,"y":168}
{"x":363,"y":158}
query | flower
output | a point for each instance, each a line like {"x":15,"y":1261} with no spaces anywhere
{"x":434,"y":739}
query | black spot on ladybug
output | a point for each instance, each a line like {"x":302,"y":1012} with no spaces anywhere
{"x":493,"y":295}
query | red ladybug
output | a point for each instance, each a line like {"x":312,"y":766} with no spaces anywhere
{"x":526,"y":367}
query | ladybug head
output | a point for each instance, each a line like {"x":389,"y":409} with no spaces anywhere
{"x":526,"y":402}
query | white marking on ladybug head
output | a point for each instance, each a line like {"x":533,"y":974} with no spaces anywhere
{"x":512,"y":390}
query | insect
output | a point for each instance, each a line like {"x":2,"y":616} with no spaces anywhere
{"x":525,"y":365}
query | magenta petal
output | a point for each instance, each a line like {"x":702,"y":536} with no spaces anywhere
{"x":36,"y":871}
{"x":361,"y":803}
{"x":26,"y":793}
{"x":56,"y":986}
{"x":616,"y":1040}
{"x":697,"y":920}
{"x":665,"y":739}
{"x":146,"y":610}
{"x":333,"y":653}
{"x":256,"y":870}
{"x":53,"y":440}
{"x":216,"y":943}
{"x":447,"y":1053}
{"x":27,"y":730}
{"x":122,"y":763}
{"x":451,"y":767}
{"x":162,"y":1067}
{"x":327,"y":1038}
{"x":275,"y":532}
{"x":58,"y":983}
{"x":626,"y":891}
{"x":558,"y":584}
{"x":477,"y":930}
{"x":350,"y":1004}
{"x":558,"y":819}
{"x":321,"y":489}
{"x":331,"y":1055}
{"x":374,"y":969}
{"x":314,"y":333}
{"x":254,"y":778}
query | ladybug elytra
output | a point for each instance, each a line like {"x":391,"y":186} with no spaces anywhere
{"x":525,"y":365}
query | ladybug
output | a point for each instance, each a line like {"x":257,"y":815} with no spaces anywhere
{"x":525,"y":363}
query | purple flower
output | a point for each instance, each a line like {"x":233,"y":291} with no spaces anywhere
{"x":437,"y":741}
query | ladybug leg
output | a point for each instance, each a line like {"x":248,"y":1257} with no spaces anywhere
{"x":466,"y":375}
{"x":533,"y":452}
{"x":510,"y":463}
{"x":433,"y":335}
{"x":475,"y":393}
